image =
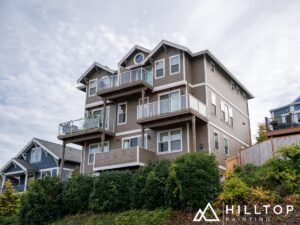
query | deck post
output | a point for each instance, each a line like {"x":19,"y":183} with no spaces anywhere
{"x":26,"y":181}
{"x":103,"y":124}
{"x":194,"y":133}
{"x":142,"y":126}
{"x":3,"y":183}
{"x":267,"y":123}
{"x":62,"y":160}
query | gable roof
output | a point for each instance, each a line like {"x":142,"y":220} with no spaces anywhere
{"x":94,"y":65}
{"x":23,"y":164}
{"x":136,"y":47}
{"x":297,"y":100}
{"x":71,"y":154}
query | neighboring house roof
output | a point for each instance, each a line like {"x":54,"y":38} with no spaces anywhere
{"x":295,"y":102}
{"x":136,"y":47}
{"x":94,"y":65}
{"x":71,"y":154}
{"x":25,"y":164}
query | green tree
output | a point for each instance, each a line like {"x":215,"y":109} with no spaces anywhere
{"x":262,"y":136}
{"x":9,"y":200}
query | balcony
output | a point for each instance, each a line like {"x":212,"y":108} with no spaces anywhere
{"x":113,"y":86}
{"x":80,"y":130}
{"x":122,"y":158}
{"x":176,"y":110}
{"x":283,"y":125}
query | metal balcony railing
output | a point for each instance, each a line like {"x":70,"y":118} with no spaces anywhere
{"x":139,"y":74}
{"x":170,"y":105}
{"x":78,"y":125}
{"x":285,"y":121}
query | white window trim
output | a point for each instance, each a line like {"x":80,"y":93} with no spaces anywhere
{"x":139,"y":53}
{"x":169,"y":142}
{"x":225,"y":137}
{"x":165,"y":93}
{"x":108,"y":112}
{"x":140,"y":100}
{"x":51,"y":170}
{"x":164,"y":69}
{"x":89,"y":93}
{"x":98,"y":150}
{"x":126,"y":115}
{"x":41,"y":149}
{"x":217,"y":132}
{"x":135,"y":136}
{"x":170,"y":58}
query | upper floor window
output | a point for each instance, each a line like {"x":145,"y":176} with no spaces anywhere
{"x":122,"y":113}
{"x":138,"y":58}
{"x":226,"y":149}
{"x":160,"y":68}
{"x":227,"y":114}
{"x":95,"y":148}
{"x":174,"y":64}
{"x":213,"y":104}
{"x":216,"y":141}
{"x":170,"y":141}
{"x":92,"y":87}
{"x":36,"y":155}
{"x":131,"y":142}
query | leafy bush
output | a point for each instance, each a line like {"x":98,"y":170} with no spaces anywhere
{"x":259,"y":196}
{"x":42,"y":203}
{"x":249,"y":173}
{"x":149,"y":189}
{"x":112,"y":192}
{"x":9,"y":200}
{"x":76,"y":194}
{"x":235,"y":191}
{"x":193,"y":181}
{"x":10,"y":220}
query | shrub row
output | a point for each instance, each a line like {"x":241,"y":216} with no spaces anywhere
{"x":188,"y":182}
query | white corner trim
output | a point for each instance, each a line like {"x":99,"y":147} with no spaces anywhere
{"x":227,"y":133}
{"x":183,"y":66}
{"x":188,"y":136}
{"x":167,"y":86}
{"x":118,"y":166}
{"x":197,"y":85}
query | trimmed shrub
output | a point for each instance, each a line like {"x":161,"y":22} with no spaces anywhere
{"x":9,"y":200}
{"x":76,"y":194}
{"x":112,"y":192}
{"x":10,"y":220}
{"x":249,"y":173}
{"x":193,"y":181}
{"x":42,"y":203}
{"x":150,"y":189}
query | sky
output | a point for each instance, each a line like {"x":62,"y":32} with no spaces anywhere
{"x":46,"y":45}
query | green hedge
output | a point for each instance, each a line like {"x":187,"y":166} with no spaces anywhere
{"x":10,"y":220}
{"x":193,"y":181}
{"x":42,"y":203}
{"x":77,"y":193}
{"x":112,"y":192}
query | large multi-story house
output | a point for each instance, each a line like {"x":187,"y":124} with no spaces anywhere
{"x":159,"y":104}
{"x":39,"y":158}
{"x":285,"y":120}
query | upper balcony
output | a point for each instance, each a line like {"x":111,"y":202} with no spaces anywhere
{"x":177,"y":109}
{"x":80,"y":130}
{"x":123,"y":158}
{"x":129,"y":82}
{"x":283,"y":125}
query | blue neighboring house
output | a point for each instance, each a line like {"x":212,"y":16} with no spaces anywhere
{"x":284,"y":120}
{"x":38,"y":159}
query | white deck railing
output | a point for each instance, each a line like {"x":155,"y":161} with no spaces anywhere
{"x":170,"y":105}
{"x":139,"y":74}
{"x":74,"y":126}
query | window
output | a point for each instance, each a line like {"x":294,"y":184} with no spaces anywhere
{"x":92,"y":87}
{"x":48,"y":172}
{"x":232,"y":85}
{"x":97,"y":113}
{"x":216,"y":141}
{"x":138,"y":58}
{"x":160,"y":69}
{"x":227,"y":115}
{"x":95,"y":148}
{"x":131,"y":142}
{"x":230,"y":117}
{"x":122,"y":113}
{"x":213,"y":104}
{"x":169,"y":102}
{"x":170,"y":141}
{"x":226,"y":146}
{"x":36,"y":155}
{"x":174,"y":64}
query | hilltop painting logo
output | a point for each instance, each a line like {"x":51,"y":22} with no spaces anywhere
{"x":242,"y":213}
{"x":201,"y":215}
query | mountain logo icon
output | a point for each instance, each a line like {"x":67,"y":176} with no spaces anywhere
{"x":200,"y":215}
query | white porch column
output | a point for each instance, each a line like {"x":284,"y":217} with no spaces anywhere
{"x":3,"y":182}
{"x":26,"y":181}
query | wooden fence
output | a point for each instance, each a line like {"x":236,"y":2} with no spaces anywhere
{"x":259,"y":153}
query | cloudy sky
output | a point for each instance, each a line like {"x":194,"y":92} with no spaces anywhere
{"x":46,"y":45}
